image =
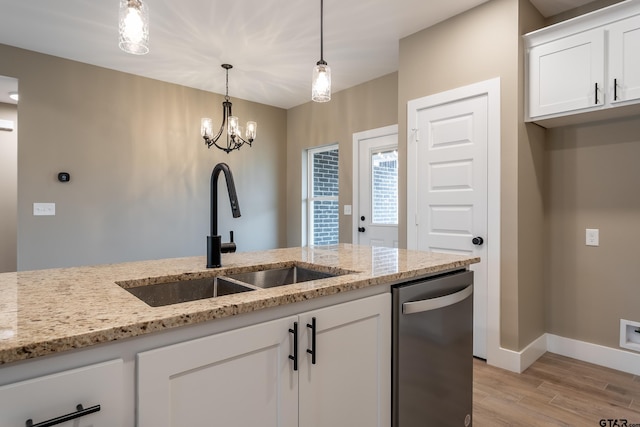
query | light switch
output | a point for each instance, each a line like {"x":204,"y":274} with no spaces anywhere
{"x":44,"y":209}
{"x":593,"y":237}
{"x":347,"y":209}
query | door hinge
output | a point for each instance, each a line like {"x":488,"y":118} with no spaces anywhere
{"x":416,"y":133}
{"x":417,"y":219}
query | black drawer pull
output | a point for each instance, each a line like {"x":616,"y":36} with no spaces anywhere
{"x":294,"y":331}
{"x":80,"y":412}
{"x":312,"y":351}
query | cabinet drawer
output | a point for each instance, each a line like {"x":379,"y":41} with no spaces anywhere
{"x":44,"y":398}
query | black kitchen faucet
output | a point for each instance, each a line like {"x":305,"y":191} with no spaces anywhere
{"x":215,"y":247}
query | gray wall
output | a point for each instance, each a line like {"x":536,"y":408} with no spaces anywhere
{"x":8,"y":190}
{"x":367,"y":106}
{"x":593,"y":183}
{"x":478,"y":45}
{"x":139,"y":170}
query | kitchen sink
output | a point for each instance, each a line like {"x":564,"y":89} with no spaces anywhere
{"x":272,"y":277}
{"x":168,"y":293}
{"x":173,"y":292}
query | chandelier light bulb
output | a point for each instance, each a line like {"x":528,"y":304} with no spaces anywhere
{"x":134,"y":27}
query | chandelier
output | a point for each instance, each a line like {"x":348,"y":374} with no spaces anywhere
{"x":321,"y":83}
{"x":134,"y":27}
{"x":234,"y":130}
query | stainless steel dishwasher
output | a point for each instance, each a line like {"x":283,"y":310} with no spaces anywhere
{"x":433,"y":351}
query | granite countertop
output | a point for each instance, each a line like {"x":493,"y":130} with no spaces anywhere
{"x":49,"y":311}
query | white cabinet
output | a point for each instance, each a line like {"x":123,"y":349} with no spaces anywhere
{"x":624,"y":60}
{"x":589,"y":64}
{"x":350,"y":383}
{"x":44,"y":398}
{"x":567,"y":74}
{"x":237,"y":378}
{"x":246,"y":377}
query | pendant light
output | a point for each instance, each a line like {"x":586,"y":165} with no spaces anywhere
{"x":134,"y":27}
{"x":321,"y":83}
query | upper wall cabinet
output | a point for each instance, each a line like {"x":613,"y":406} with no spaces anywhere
{"x":586,"y":68}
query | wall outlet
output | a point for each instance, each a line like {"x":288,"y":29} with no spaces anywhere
{"x":44,"y":209}
{"x":6,"y":125}
{"x":593,"y":237}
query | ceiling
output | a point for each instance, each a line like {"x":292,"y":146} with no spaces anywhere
{"x":272,"y":44}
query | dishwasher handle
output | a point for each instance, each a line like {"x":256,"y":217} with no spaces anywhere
{"x":436,"y":303}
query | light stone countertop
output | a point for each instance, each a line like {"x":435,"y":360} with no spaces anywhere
{"x":49,"y":311}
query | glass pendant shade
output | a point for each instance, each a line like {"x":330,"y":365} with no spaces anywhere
{"x":233,"y":126}
{"x":321,"y":83}
{"x":252,"y":128}
{"x":134,"y":27}
{"x":206,"y":127}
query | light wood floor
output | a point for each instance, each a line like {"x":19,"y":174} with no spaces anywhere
{"x":554,"y":391}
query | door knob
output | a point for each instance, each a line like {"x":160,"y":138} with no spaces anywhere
{"x":361,"y":229}
{"x":478,"y":241}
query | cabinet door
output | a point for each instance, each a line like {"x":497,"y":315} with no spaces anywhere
{"x":44,"y":398}
{"x":624,"y":60}
{"x":237,"y":378}
{"x":350,"y":383}
{"x":567,"y":74}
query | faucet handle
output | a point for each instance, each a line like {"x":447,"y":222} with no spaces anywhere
{"x":226,"y":248}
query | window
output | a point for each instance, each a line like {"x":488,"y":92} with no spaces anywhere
{"x":322,"y":200}
{"x":384,"y":188}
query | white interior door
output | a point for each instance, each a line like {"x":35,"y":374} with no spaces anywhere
{"x":375,"y":221}
{"x":447,"y":187}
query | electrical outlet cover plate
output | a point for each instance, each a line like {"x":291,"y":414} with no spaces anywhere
{"x":592,"y":237}
{"x":44,"y":209}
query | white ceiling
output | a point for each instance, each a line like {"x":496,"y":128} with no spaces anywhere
{"x":272,"y":44}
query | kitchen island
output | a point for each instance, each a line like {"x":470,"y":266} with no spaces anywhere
{"x":58,"y":319}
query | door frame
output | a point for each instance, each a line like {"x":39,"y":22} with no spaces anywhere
{"x":490,"y":88}
{"x":355,"y":177}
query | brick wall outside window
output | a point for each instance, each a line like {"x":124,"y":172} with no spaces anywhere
{"x":385,"y":192}
{"x":325,"y":184}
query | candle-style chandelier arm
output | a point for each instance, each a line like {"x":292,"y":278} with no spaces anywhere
{"x":210,"y":141}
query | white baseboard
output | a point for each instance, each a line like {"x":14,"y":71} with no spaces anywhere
{"x":609,"y":357}
{"x":518,"y":361}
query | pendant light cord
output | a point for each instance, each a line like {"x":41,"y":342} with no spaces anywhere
{"x":322,"y":33}
{"x":226,"y":96}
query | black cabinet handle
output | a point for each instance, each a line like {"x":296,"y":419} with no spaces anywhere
{"x":615,"y":89}
{"x":80,"y":412}
{"x":294,"y":331}
{"x":312,"y":351}
{"x":596,"y":93}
